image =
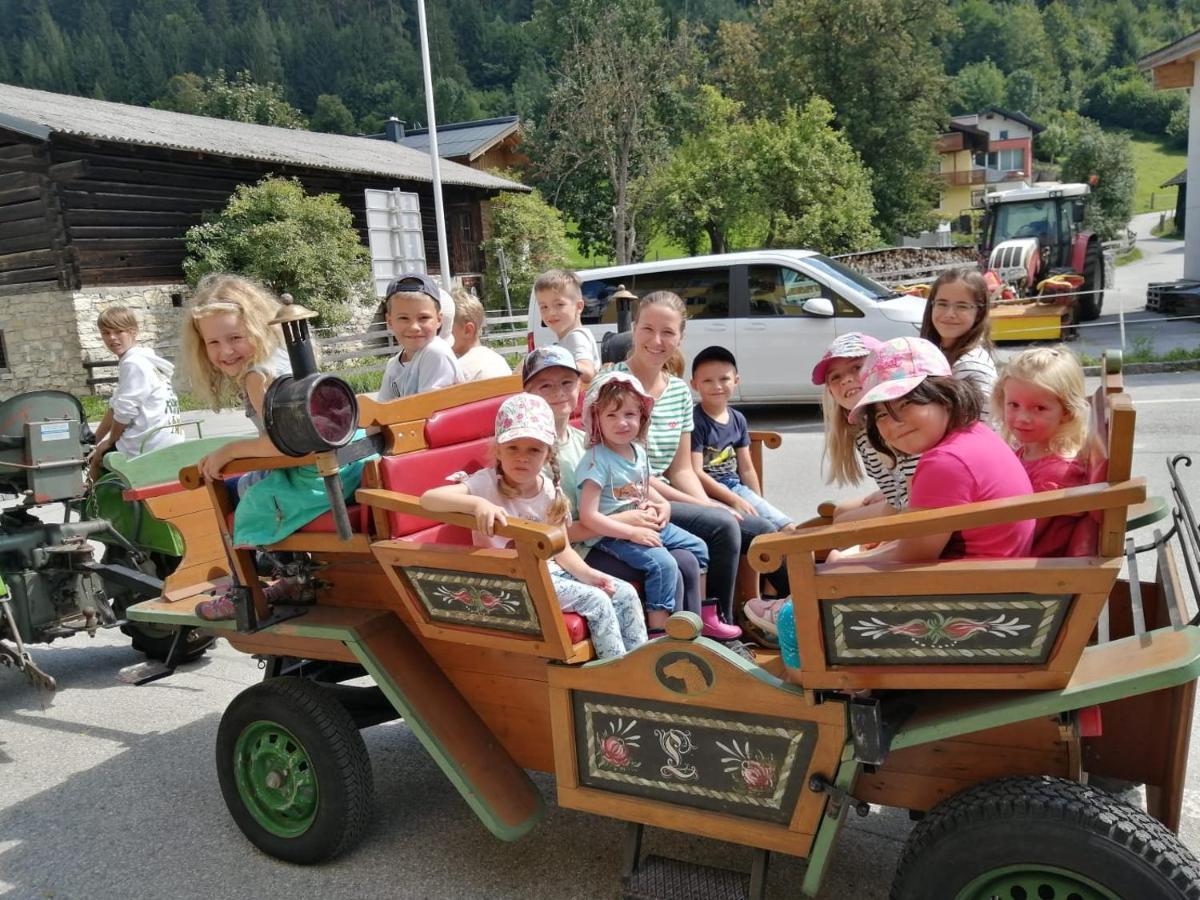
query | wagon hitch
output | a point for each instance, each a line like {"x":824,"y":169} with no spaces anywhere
{"x":838,"y":798}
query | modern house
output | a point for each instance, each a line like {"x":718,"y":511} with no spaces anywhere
{"x":1174,"y":66}
{"x":95,"y":199}
{"x":981,"y":152}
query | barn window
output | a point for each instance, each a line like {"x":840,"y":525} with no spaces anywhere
{"x":3,"y":352}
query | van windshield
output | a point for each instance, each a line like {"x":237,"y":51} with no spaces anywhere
{"x":850,"y":278}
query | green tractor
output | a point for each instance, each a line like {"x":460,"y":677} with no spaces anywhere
{"x":51,"y":584}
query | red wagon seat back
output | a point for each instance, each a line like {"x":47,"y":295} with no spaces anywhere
{"x":457,"y":440}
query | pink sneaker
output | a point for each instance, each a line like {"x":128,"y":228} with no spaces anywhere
{"x":216,"y":609}
{"x":763,"y":613}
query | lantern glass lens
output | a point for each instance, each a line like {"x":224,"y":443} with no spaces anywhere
{"x":332,"y":409}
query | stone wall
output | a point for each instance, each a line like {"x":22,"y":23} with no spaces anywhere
{"x":159,"y":312}
{"x":41,"y":343}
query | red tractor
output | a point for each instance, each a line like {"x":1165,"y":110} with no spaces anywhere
{"x":1035,"y":232}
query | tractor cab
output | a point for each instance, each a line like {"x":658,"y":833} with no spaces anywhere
{"x":1033,"y":239}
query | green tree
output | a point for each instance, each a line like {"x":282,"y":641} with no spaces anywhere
{"x":296,"y":242}
{"x":1089,"y":152}
{"x":241,"y":100}
{"x":877,"y":62}
{"x":791,"y":181}
{"x":601,"y":130}
{"x":532,"y":237}
{"x":978,"y":86}
{"x":330,"y":115}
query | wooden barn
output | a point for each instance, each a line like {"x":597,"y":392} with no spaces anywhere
{"x":95,"y":199}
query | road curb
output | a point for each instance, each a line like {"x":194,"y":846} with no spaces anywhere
{"x":1181,"y":365}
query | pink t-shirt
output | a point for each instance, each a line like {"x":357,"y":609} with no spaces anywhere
{"x":971,"y":465}
{"x":1060,"y":535}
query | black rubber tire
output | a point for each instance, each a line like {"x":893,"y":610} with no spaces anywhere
{"x":1093,"y":275}
{"x":155,"y":640}
{"x":1047,"y":822}
{"x":335,"y":751}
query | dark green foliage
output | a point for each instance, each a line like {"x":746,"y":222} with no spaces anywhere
{"x":294,"y":242}
{"x":1127,"y":99}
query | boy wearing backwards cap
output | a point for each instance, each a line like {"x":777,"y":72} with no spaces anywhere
{"x":413,"y":307}
{"x":721,"y":440}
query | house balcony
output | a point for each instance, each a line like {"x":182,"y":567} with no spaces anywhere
{"x":963,"y":179}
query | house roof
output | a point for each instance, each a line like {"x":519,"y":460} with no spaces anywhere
{"x":1016,"y":117}
{"x":1181,"y":178}
{"x":40,"y":114}
{"x":469,"y":139}
{"x":1187,"y":47}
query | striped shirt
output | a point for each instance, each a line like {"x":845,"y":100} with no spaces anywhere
{"x":977,"y":367}
{"x":892,"y":482}
{"x":670,"y":418}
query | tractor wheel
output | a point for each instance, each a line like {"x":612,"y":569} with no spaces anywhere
{"x":1044,"y":838}
{"x":294,"y":771}
{"x":1093,"y":275}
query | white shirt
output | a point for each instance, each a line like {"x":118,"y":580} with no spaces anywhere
{"x":483,"y":362}
{"x":433,"y":366}
{"x":143,"y":401}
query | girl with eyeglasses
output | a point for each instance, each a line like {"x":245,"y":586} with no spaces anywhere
{"x":956,"y":321}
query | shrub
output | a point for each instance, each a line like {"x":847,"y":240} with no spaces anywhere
{"x":294,"y":242}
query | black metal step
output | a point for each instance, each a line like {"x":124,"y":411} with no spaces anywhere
{"x":661,"y":878}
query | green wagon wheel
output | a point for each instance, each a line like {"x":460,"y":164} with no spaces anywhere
{"x":275,"y":779}
{"x":1034,"y":883}
{"x":1032,"y":838}
{"x":294,"y":771}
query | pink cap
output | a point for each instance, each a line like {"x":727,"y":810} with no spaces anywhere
{"x":851,"y":345}
{"x":895,"y":368}
{"x":525,"y":416}
{"x":591,"y":424}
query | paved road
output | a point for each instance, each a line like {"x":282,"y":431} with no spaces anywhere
{"x":109,"y":791}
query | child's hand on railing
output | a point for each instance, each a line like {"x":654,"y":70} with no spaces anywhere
{"x":211,"y":464}
{"x":488,"y":516}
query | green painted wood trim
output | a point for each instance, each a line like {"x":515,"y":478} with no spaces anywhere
{"x":446,"y":761}
{"x":1024,"y":705}
{"x":166,"y":617}
{"x":828,"y":828}
{"x":296,"y":627}
{"x":1155,"y":510}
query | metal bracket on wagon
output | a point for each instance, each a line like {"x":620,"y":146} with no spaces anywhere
{"x":838,"y":798}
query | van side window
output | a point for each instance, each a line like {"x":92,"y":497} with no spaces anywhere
{"x":705,"y":291}
{"x":780,"y":291}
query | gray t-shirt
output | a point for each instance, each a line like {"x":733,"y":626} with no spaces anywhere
{"x":433,"y":366}
{"x":582,"y":344}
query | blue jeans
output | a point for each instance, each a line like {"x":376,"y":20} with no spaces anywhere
{"x":761,"y":506}
{"x":659,"y":570}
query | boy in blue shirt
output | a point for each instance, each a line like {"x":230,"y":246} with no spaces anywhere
{"x":721,"y":440}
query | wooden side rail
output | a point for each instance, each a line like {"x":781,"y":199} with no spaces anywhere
{"x":768,"y":551}
{"x":771,"y":440}
{"x":545,"y":541}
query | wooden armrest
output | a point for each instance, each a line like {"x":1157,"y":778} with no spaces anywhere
{"x":545,"y":541}
{"x":772,"y":440}
{"x":767,"y":551}
{"x":190,"y":476}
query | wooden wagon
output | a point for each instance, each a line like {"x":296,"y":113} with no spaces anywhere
{"x":1000,"y":691}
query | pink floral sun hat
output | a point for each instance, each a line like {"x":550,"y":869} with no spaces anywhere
{"x":591,"y":423}
{"x":851,"y":345}
{"x":525,"y":416}
{"x":894,"y":368}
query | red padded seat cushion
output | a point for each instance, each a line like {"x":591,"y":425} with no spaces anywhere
{"x":464,"y":423}
{"x":415,"y":473}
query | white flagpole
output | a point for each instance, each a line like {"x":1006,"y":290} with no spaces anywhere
{"x":443,"y":249}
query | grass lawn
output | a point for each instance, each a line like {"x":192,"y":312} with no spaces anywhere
{"x":1153,"y":164}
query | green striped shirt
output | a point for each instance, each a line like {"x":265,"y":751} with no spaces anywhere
{"x":670,"y":418}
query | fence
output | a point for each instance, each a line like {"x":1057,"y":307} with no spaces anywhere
{"x":504,"y":334}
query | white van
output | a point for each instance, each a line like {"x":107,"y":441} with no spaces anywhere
{"x":775,"y":310}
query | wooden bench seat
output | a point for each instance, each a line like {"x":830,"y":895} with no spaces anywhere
{"x":1013,"y":624}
